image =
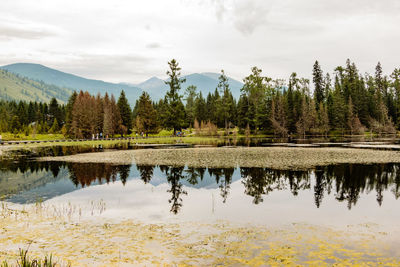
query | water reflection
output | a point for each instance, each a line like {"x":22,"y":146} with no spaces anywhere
{"x":346,"y":182}
{"x":84,"y":174}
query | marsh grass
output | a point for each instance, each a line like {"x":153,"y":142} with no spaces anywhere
{"x":24,"y":260}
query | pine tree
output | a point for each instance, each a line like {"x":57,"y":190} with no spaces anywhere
{"x":200,"y":108}
{"x":54,"y":128}
{"x":379,"y":78}
{"x":255,"y":88}
{"x":290,"y":103}
{"x":277,"y":116}
{"x":116,"y":117}
{"x":31,"y":113}
{"x":175,"y":113}
{"x":395,"y":84}
{"x":146,"y":120}
{"x":227,"y":102}
{"x":323,"y":119}
{"x":54,"y":112}
{"x":68,"y":110}
{"x":191,"y":94}
{"x":318,"y":84}
{"x":242,"y":112}
{"x":108,"y":117}
{"x":99,"y":114}
{"x":126,"y":113}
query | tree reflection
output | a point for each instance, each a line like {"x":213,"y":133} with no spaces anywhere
{"x":85,"y":174}
{"x":174,"y":175}
{"x":225,"y":184}
{"x":260,"y":181}
{"x":146,"y":172}
{"x":345,"y":182}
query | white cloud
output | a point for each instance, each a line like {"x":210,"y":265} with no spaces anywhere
{"x":129,"y":41}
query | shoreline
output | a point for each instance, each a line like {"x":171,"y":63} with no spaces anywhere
{"x":285,"y":158}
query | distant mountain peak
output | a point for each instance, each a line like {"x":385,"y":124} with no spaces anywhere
{"x":205,"y":82}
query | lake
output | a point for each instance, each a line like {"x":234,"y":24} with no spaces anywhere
{"x":337,"y":195}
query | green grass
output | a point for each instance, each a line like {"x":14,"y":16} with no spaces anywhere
{"x":168,"y":133}
{"x":21,"y":137}
{"x":202,"y":140}
{"x":25,"y":261}
{"x":13,"y":87}
{"x":163,"y":133}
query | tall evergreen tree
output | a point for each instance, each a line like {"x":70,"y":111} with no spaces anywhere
{"x":116,"y":116}
{"x":200,"y":108}
{"x":54,"y":112}
{"x":175,"y":112}
{"x":191,"y":94}
{"x":108,"y":117}
{"x":69,"y":110}
{"x":126,"y":113}
{"x":290,"y":103}
{"x":227,"y":102}
{"x":146,"y":120}
{"x":256,"y":89}
{"x":318,"y":80}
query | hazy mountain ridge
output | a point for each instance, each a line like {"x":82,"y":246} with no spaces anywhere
{"x":155,"y":87}
{"x":15,"y":87}
{"x":205,"y":83}
{"x":74,"y":82}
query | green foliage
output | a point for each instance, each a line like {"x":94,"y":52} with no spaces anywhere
{"x":258,"y":92}
{"x":125,"y":111}
{"x":191,"y":94}
{"x":54,"y":128}
{"x":174,"y":109}
{"x":318,"y":84}
{"x":146,"y":119}
{"x":350,"y":103}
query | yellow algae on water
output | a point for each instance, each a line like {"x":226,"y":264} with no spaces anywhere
{"x":118,"y":243}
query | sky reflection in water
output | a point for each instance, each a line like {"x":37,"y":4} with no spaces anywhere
{"x":341,"y":194}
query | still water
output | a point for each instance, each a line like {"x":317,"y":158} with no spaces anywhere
{"x":335,"y":195}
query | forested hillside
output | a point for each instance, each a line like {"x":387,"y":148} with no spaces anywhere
{"x":62,"y":79}
{"x":347,"y":102}
{"x":16,"y":87}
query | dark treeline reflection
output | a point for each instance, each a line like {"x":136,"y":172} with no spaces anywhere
{"x":347,"y":182}
{"x":81,"y":174}
{"x":84,"y":174}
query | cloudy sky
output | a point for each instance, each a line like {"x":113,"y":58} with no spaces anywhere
{"x":130,"y":41}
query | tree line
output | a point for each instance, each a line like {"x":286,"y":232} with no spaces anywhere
{"x":31,"y":117}
{"x":348,"y":102}
{"x":342,"y":102}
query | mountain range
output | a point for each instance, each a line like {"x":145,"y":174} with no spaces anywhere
{"x":15,"y":87}
{"x":66,"y":83}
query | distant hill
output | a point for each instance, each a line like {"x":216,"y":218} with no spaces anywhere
{"x":15,"y":87}
{"x":51,"y":76}
{"x":155,"y":87}
{"x":205,"y":82}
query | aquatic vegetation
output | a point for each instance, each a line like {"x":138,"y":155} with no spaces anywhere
{"x":287,"y":158}
{"x":111,"y":242}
